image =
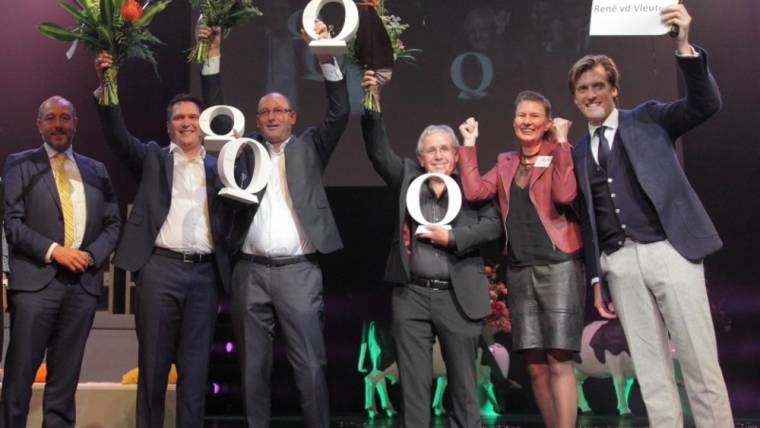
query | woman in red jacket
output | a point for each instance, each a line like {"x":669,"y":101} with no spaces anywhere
{"x":536,"y":188}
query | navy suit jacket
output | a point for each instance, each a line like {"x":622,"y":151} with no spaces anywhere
{"x":475,"y":225}
{"x":305,"y":160}
{"x":154,"y":166}
{"x":34,"y":221}
{"x":647,"y":134}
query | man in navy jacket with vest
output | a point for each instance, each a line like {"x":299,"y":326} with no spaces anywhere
{"x":645,"y":231}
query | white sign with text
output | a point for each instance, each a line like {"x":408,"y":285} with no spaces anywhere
{"x":627,"y":17}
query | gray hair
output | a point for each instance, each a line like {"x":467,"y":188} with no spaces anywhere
{"x":432,"y":129}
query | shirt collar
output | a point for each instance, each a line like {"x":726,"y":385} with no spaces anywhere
{"x":175,"y":149}
{"x":284,"y":144}
{"x":611,"y":122}
{"x":52,"y":152}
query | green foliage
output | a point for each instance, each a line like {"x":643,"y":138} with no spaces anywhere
{"x":100,"y":26}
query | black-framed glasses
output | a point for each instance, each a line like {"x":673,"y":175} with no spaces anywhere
{"x":276,"y":111}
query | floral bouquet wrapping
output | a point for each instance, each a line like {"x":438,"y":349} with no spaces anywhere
{"x":117,"y":26}
{"x":378,"y":45}
{"x":222,"y":13}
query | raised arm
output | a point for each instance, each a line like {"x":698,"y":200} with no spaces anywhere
{"x":702,"y":94}
{"x":475,"y":186}
{"x":564,"y":186}
{"x":126,"y":147}
{"x":384,"y":160}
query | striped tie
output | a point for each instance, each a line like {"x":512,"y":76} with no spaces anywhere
{"x":64,"y":192}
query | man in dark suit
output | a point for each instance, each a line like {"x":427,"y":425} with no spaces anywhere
{"x":174,"y":241}
{"x":62,"y":221}
{"x":277,"y":242}
{"x":443,"y":290}
{"x":645,"y":231}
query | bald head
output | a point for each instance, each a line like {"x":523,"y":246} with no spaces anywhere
{"x":275,"y":118}
{"x":57,"y":122}
{"x":56,"y":99}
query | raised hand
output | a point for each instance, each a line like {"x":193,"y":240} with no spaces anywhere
{"x":323,"y":32}
{"x":469,"y":131}
{"x":214,"y":37}
{"x":677,"y":14}
{"x":561,"y":127}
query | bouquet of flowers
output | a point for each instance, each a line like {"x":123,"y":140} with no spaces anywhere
{"x":499,"y":317}
{"x":378,"y":45}
{"x":222,"y":13}
{"x":117,"y":26}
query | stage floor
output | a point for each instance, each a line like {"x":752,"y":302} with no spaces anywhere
{"x":511,"y":421}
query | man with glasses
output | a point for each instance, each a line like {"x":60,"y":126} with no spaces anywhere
{"x":276,"y":242}
{"x":645,"y":232}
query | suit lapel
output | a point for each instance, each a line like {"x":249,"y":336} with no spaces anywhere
{"x":42,"y":164}
{"x":511,"y":162}
{"x":168,"y":169}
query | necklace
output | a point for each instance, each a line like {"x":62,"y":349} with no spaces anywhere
{"x":527,"y":160}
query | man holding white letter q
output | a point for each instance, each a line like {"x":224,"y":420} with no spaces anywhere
{"x":645,"y":231}
{"x":277,"y":242}
{"x":442,"y":290}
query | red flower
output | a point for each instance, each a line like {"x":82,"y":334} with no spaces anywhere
{"x":131,"y":10}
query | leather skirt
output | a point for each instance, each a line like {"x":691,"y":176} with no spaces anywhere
{"x":547,"y":305}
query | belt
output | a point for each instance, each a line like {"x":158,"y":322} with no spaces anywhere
{"x":277,"y":261}
{"x":433,"y":284}
{"x":185,"y":257}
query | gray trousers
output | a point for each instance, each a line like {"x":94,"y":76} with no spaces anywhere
{"x":292,"y":295}
{"x":419,"y":315}
{"x":655,"y":292}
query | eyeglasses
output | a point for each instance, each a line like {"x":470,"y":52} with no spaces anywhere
{"x":276,"y":112}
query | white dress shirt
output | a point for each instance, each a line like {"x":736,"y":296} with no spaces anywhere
{"x":187,"y":228}
{"x":276,"y":230}
{"x":71,"y":171}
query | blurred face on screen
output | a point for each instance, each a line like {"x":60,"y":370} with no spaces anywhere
{"x":594,"y":96}
{"x":274,"y":118}
{"x":438,"y":153}
{"x":531,"y":122}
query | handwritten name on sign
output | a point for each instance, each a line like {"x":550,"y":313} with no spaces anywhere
{"x":627,"y":17}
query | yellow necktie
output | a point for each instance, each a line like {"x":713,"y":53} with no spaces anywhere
{"x":64,"y":192}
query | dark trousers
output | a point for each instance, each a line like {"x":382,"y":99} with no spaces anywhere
{"x":175,"y":314}
{"x":292,"y":294}
{"x":58,"y":319}
{"x":419,"y":315}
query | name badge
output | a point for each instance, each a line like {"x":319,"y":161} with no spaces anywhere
{"x":543,"y":161}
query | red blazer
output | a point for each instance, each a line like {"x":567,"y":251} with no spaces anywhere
{"x":549,"y":186}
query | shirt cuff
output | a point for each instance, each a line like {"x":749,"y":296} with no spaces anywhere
{"x":594,"y":280}
{"x":694,"y":53}
{"x":49,"y":254}
{"x":331,"y":71}
{"x":212,"y":65}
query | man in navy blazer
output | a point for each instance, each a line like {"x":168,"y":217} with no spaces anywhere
{"x":56,"y":268}
{"x":645,"y":231}
{"x":174,"y":241}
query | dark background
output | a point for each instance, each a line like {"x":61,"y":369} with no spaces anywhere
{"x":531,"y":46}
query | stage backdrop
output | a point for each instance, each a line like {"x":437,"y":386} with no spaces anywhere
{"x":476,"y":56}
